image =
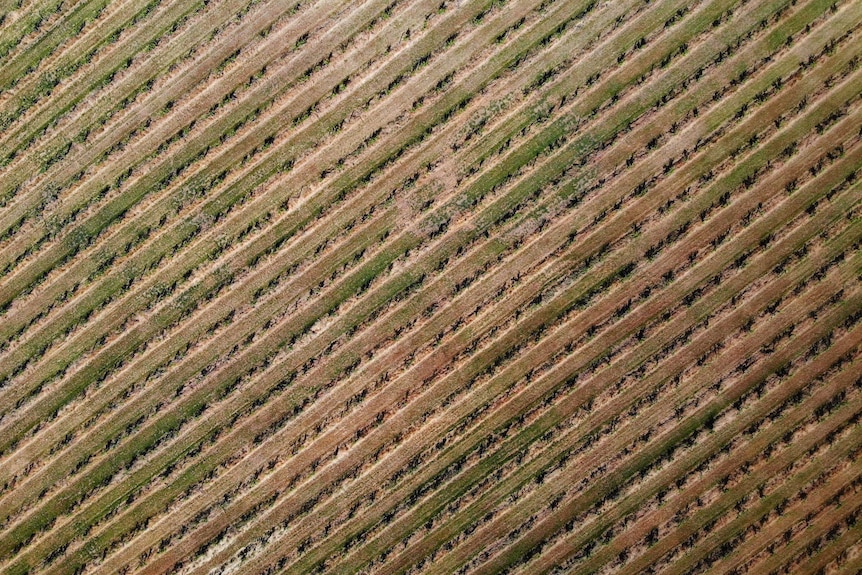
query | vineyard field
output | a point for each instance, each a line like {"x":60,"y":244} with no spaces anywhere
{"x":450,"y":287}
